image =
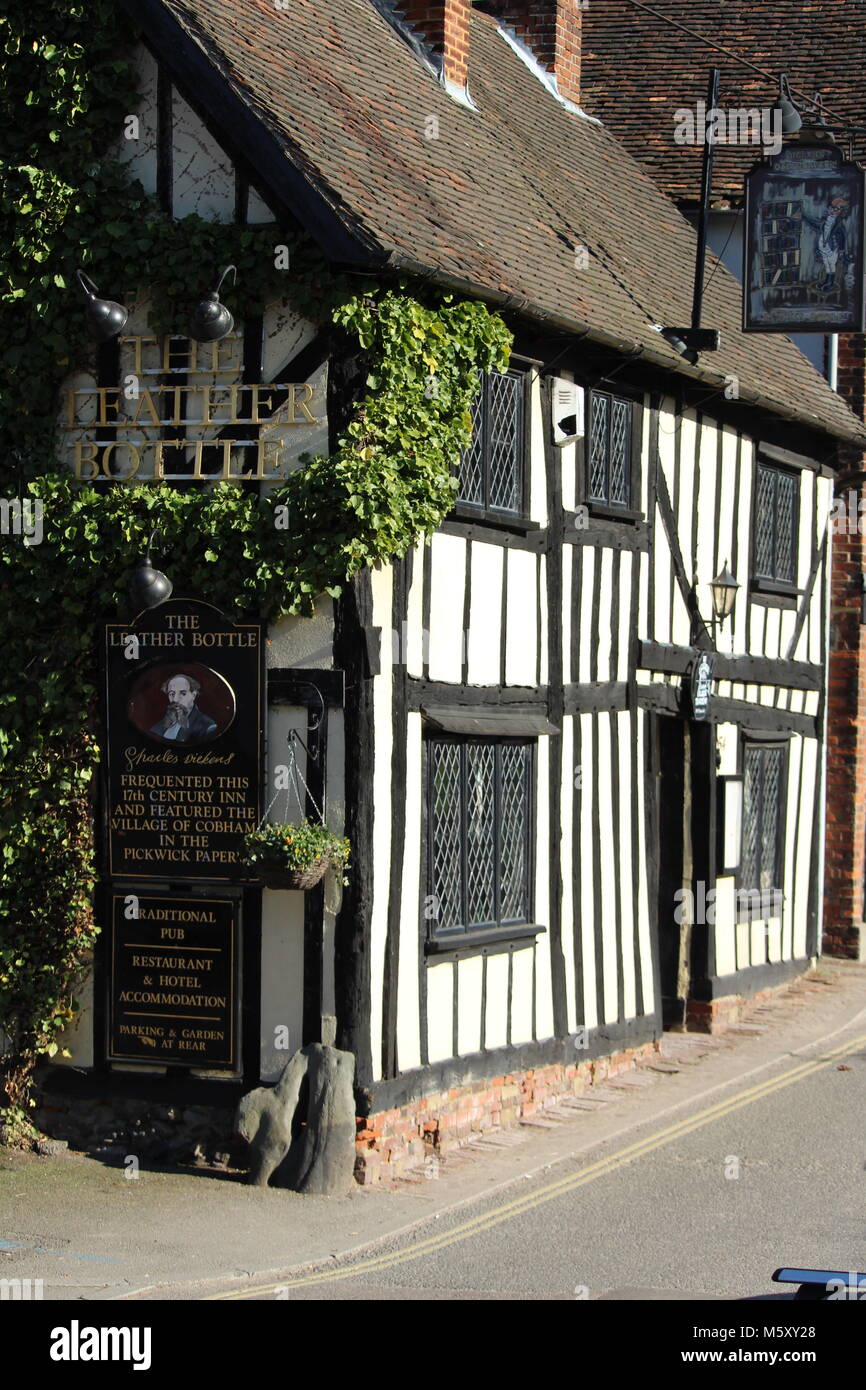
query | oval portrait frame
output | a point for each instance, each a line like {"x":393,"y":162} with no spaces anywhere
{"x":147,"y":703}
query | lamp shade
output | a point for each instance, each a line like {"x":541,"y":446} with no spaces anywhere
{"x":724,"y":590}
{"x":105,"y":318}
{"x":791,"y":118}
{"x":148,"y":586}
{"x":209,"y":319}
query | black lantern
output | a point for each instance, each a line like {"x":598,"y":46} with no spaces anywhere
{"x":724,"y":590}
{"x":209,"y":319}
{"x":105,"y":318}
{"x":791,"y":118}
{"x":149,"y":587}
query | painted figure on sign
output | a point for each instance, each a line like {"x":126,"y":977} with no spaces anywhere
{"x":831,"y":245}
{"x":183,"y":721}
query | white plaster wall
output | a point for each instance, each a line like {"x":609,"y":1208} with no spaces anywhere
{"x":537,"y":479}
{"x":544,"y":850}
{"x":567,"y":814}
{"x":607,"y":558}
{"x":383,"y":735}
{"x":521,"y":995}
{"x":588,"y":809}
{"x":204,"y":181}
{"x":585,"y":556}
{"x":413,"y":642}
{"x":496,"y":1024}
{"x":625,"y":867}
{"x":469,"y":1005}
{"x":77,"y":1039}
{"x":303,"y":641}
{"x":485,"y":636}
{"x":644,"y":933}
{"x":520,"y":638}
{"x":440,"y":1010}
{"x":408,"y":1015}
{"x":446,"y":607}
{"x":140,"y":155}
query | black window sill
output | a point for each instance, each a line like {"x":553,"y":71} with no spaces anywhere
{"x":605,"y":512}
{"x":753,"y":912}
{"x":486,"y":942}
{"x":502,"y":521}
{"x":773,"y":594}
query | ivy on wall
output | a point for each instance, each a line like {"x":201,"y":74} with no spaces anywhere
{"x":389,"y":480}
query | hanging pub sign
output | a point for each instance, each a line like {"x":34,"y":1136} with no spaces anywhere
{"x":183,"y":713}
{"x":803,"y":248}
{"x":701,"y":684}
{"x":174,"y":980}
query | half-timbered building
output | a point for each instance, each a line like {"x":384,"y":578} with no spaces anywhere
{"x":569,"y":828}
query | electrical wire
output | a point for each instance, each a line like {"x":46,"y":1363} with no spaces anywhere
{"x":729,"y":53}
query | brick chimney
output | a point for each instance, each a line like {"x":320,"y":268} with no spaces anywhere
{"x":444,"y":24}
{"x":551,"y":30}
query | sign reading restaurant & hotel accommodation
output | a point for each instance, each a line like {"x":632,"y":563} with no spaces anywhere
{"x":174,"y":980}
{"x":184,"y":725}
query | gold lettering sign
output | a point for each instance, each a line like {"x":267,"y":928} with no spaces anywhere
{"x":171,"y":417}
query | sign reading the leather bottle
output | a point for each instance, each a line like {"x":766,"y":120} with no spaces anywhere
{"x":174,"y":980}
{"x":183,"y":708}
{"x":181,"y":409}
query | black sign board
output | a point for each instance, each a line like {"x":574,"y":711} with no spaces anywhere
{"x":701,"y":685}
{"x":184,"y":746}
{"x":174,"y":980}
{"x":803,"y":247}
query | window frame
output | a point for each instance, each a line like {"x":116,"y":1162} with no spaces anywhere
{"x":607,"y":510}
{"x":762,"y":584}
{"x":495,"y":936}
{"x":753,"y":740}
{"x":498,"y":516}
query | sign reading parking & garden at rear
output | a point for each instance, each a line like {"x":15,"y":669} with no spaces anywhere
{"x":183,"y":708}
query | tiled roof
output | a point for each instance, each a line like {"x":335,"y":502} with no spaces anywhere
{"x":637,"y":70}
{"x":500,"y":199}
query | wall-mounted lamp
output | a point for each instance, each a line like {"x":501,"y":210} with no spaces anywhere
{"x":724,"y":590}
{"x":105,"y":318}
{"x":148,"y":587}
{"x":209,"y":319}
{"x":791,"y":118}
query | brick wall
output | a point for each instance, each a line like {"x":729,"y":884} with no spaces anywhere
{"x":392,"y":1142}
{"x":444,"y":25}
{"x":845,"y":840}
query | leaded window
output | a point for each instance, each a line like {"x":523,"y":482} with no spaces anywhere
{"x":609,"y":462}
{"x":492,"y":467}
{"x":761,"y":861}
{"x":479,"y":828}
{"x":775,"y":525}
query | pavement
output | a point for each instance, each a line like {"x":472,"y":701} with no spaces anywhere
{"x":91,"y":1232}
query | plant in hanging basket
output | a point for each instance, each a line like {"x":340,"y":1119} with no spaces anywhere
{"x":294,"y":856}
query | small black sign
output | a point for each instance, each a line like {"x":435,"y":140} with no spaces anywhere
{"x":701,"y":687}
{"x":184,"y":748}
{"x":174,"y":981}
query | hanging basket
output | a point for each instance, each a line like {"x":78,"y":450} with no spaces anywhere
{"x":277,"y":876}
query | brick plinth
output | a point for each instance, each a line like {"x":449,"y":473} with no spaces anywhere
{"x":715,"y":1015}
{"x":393,"y":1142}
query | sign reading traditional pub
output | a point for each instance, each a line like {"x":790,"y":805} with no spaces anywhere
{"x":804,"y":243}
{"x":184,"y":745}
{"x":174,"y":980}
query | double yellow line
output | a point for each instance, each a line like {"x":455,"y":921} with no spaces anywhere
{"x":467,"y":1229}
